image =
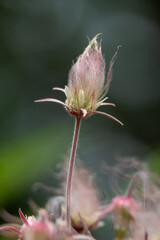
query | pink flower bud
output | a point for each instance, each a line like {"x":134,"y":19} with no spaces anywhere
{"x":124,"y":202}
{"x":86,"y":84}
{"x":87,"y":87}
{"x":39,"y":230}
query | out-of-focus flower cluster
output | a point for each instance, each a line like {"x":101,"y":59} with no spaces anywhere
{"x":135,"y":214}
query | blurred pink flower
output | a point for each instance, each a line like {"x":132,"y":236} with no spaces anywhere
{"x":32,"y":228}
{"x":124,"y":209}
{"x":42,"y":228}
{"x":121,"y":203}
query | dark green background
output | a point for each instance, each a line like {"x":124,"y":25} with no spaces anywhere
{"x":39,"y":40}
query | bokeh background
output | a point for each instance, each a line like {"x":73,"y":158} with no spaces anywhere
{"x":39,"y":41}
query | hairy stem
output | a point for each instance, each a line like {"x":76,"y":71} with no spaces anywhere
{"x":70,"y":171}
{"x":132,"y":185}
{"x":144,"y":178}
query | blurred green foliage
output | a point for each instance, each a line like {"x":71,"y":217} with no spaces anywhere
{"x":25,"y":159}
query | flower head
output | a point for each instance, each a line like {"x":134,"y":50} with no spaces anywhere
{"x":124,"y":209}
{"x":34,"y":228}
{"x":42,"y":228}
{"x":87,"y":87}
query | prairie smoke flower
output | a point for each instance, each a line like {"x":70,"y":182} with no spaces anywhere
{"x":42,"y":228}
{"x":124,"y":204}
{"x":87,"y":88}
{"x":85,"y":92}
{"x":32,"y":228}
{"x":123,"y":209}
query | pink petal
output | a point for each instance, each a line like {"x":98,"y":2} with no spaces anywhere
{"x":10,"y":228}
{"x":108,"y":115}
{"x":108,"y":104}
{"x":51,"y":100}
{"x":59,"y":89}
{"x":23,"y":217}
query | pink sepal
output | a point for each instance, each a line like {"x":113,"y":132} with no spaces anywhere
{"x":10,"y":228}
{"x":59,"y":89}
{"x":23,"y":218}
{"x":108,"y":115}
{"x":51,"y":100}
{"x":108,"y":104}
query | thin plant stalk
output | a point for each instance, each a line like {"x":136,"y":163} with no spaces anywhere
{"x":143,"y":176}
{"x":70,"y":171}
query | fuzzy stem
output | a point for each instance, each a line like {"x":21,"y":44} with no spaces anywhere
{"x":143,"y":176}
{"x":105,"y":211}
{"x":70,"y":171}
{"x":132,"y":184}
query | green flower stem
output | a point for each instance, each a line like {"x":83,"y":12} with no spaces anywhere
{"x":70,"y":171}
